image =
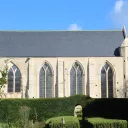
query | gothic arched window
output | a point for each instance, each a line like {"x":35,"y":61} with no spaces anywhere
{"x":45,"y":81}
{"x":76,"y":79}
{"x":106,"y":82}
{"x":14,"y":79}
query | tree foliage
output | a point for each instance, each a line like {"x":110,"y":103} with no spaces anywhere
{"x":4,"y":73}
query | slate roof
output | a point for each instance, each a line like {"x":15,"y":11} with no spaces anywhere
{"x":59,"y":43}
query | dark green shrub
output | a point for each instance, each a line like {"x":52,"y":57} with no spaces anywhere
{"x":4,"y":125}
{"x":24,"y":113}
{"x":111,"y":108}
{"x":45,"y":108}
{"x":24,"y":122}
{"x":104,"y":123}
{"x":54,"y":107}
{"x":69,"y":122}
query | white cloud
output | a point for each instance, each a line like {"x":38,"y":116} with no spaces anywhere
{"x":119,"y":14}
{"x":74,"y":27}
{"x":118,"y":5}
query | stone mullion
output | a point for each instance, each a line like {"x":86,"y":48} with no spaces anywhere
{"x":106,"y":84}
{"x":107,"y":80}
{"x":13,"y":81}
{"x":45,"y":84}
{"x":75,"y":77}
{"x":76,"y":80}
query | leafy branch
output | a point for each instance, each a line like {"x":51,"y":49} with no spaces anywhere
{"x":4,"y":74}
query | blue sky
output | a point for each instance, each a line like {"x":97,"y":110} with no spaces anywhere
{"x":63,"y":14}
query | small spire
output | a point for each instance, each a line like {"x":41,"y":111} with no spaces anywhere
{"x":124,"y":32}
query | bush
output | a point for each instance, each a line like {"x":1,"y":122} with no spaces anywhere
{"x":111,"y":108}
{"x":24,"y":113}
{"x":69,"y":122}
{"x":54,"y":107}
{"x":104,"y":123}
{"x":24,"y":122}
{"x":4,"y":125}
{"x":45,"y":108}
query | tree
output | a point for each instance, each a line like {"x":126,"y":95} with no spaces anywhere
{"x":3,"y":77}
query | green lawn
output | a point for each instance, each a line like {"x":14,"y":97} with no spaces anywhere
{"x":98,"y":122}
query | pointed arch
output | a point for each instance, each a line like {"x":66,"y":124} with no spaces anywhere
{"x":51,"y":68}
{"x":113,"y":69}
{"x":81,"y":66}
{"x":46,"y":81}
{"x":14,"y":79}
{"x":107,"y":81}
{"x":76,"y":79}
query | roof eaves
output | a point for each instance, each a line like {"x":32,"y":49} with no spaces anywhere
{"x":59,"y":30}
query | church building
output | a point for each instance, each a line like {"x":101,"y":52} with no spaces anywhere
{"x":45,"y":64}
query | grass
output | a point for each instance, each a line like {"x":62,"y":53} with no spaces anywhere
{"x":97,"y":122}
{"x":59,"y":119}
{"x":98,"y":119}
{"x":69,"y":122}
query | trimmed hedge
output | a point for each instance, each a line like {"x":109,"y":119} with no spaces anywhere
{"x":104,"y":123}
{"x":54,"y":107}
{"x":56,"y":122}
{"x":111,"y":108}
{"x":45,"y":108}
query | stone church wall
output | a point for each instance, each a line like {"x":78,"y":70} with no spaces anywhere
{"x":61,"y":67}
